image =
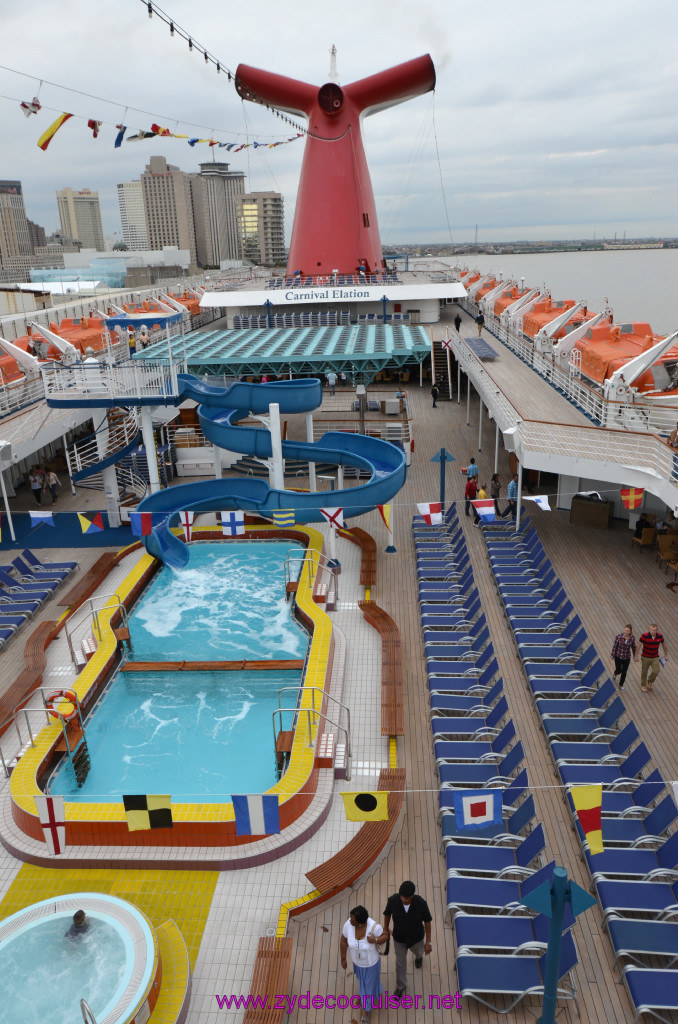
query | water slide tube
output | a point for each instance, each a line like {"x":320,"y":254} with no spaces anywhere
{"x":219,"y":412}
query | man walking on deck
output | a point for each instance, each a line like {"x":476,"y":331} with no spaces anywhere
{"x":650,"y":662}
{"x":457,"y":322}
{"x":331,"y":381}
{"x":512,"y":497}
{"x":411,"y":930}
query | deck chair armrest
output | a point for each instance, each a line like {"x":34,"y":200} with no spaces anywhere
{"x":602,"y":735}
{"x":651,"y":842}
{"x":514,"y":869}
{"x":613,"y":759}
{"x":632,"y":813}
{"x":665,"y":874}
{"x":490,"y":758}
{"x":485,"y":731}
{"x":506,"y":839}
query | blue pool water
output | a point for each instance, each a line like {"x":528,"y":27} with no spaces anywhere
{"x":197,"y":735}
{"x":46,"y":975}
{"x":229,"y":603}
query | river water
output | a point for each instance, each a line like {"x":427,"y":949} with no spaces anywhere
{"x":639,"y":284}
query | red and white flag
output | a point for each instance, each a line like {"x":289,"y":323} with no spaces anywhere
{"x":187,"y":523}
{"x":447,"y":343}
{"x":52,"y":814}
{"x":431,"y":512}
{"x":485,"y":509}
{"x":334,"y":516}
{"x":477,"y":808}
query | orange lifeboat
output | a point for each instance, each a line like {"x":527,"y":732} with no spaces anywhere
{"x":546,"y":310}
{"x":607,"y":348}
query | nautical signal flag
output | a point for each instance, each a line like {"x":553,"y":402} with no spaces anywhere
{"x":52,"y":815}
{"x":366,"y":806}
{"x":431,"y":512}
{"x":141,"y":523}
{"x":631,"y":497}
{"x":256,"y":814}
{"x":485,"y":509}
{"x":46,"y":137}
{"x":447,"y":343}
{"x":588,"y":803}
{"x":334,"y":516}
{"x":477,"y":808}
{"x":283,"y":517}
{"x":385,"y":513}
{"x":232,"y":524}
{"x":187,"y":524}
{"x":42,"y":519}
{"x":144,"y":812}
{"x":90,"y":522}
{"x":541,"y":499}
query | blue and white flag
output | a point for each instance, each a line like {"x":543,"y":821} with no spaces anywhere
{"x":477,"y":808}
{"x":256,"y":814}
{"x":541,"y":499}
{"x":232,"y":524}
{"x":42,"y":519}
{"x":485,"y":509}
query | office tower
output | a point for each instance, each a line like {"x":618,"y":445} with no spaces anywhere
{"x":132,"y":216}
{"x":261,"y":221}
{"x":168,"y":206}
{"x":15,"y":239}
{"x":220,"y":235}
{"x":36,"y":233}
{"x":80,"y":216}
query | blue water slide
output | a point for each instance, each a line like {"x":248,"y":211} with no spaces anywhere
{"x":219,"y":412}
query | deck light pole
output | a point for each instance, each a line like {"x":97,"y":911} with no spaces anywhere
{"x":442,"y":457}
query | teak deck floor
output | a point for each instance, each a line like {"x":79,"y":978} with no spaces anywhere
{"x":609,"y":583}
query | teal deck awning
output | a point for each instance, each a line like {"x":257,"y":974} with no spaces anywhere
{"x":360,"y":350}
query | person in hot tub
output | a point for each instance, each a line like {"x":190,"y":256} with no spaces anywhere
{"x":79,"y":927}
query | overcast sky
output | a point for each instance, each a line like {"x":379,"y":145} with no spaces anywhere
{"x":553,"y":120}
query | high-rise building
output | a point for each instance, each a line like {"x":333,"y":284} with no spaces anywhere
{"x":261,"y":223}
{"x":168,"y":206}
{"x":36,"y":233}
{"x":15,"y":239}
{"x":220,"y":234}
{"x":80,"y":216}
{"x":132,"y":216}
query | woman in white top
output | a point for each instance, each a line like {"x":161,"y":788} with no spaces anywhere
{"x":360,"y":937}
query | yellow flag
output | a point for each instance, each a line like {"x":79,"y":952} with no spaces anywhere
{"x":588,"y":803}
{"x":385,"y":511}
{"x":144,"y":812}
{"x":366,"y":806}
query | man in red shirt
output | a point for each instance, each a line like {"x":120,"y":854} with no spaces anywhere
{"x":470,"y":492}
{"x":650,"y":661}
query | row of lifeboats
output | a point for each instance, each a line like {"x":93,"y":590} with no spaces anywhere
{"x":586,"y":344}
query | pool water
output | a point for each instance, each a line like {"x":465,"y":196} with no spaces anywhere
{"x":199,"y":736}
{"x":45,"y":975}
{"x":227,"y":605}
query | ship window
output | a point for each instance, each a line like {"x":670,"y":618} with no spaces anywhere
{"x":366,"y":220}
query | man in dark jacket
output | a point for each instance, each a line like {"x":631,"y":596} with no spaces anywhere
{"x":411,"y":930}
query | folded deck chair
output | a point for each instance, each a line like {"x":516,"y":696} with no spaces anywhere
{"x":516,"y":976}
{"x":495,"y":860}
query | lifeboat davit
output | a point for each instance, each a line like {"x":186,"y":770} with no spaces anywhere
{"x":606,"y":348}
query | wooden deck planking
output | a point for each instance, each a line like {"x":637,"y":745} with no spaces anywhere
{"x":609,"y":584}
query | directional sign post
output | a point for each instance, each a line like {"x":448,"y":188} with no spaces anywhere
{"x":550,"y":899}
{"x":443,"y":457}
{"x":268,"y":305}
{"x":384,"y":300}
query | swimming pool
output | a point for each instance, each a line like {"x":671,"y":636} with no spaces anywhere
{"x":227,"y":605}
{"x":197,"y":735}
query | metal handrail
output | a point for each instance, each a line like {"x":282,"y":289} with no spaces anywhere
{"x":329,"y":696}
{"x":86,"y":453}
{"x":318,"y":714}
{"x":24,"y":710}
{"x":73,"y":622}
{"x":86,"y":1011}
{"x":321,"y":563}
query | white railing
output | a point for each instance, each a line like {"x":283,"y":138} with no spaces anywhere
{"x":88,"y":453}
{"x":396,"y":430}
{"x":505,"y":415}
{"x":123,"y":382}
{"x":16,"y":395}
{"x":186,"y":435}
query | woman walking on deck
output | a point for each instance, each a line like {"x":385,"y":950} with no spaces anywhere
{"x":623,"y":647}
{"x":360,"y":937}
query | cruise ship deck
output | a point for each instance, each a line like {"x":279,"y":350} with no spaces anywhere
{"x":609,"y":581}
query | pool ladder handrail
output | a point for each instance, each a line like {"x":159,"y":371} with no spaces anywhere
{"x":86,"y":1011}
{"x":318,"y":714}
{"x":91,"y":608}
{"x":311,"y":559}
{"x":24,"y":708}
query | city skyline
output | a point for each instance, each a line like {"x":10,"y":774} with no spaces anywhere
{"x":539,"y":129}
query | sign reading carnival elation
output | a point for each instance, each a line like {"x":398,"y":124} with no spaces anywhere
{"x":334,"y":293}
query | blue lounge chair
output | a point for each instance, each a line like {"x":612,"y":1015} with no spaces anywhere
{"x":10,"y":607}
{"x":541,"y":670}
{"x":449,"y":577}
{"x":480,"y":752}
{"x":490,"y":931}
{"x":553,"y":649}
{"x":553,"y":598}
{"x":606,"y":774}
{"x":458,"y":650}
{"x":14,"y":586}
{"x":464,"y":666}
{"x":512,"y":790}
{"x":25,"y":573}
{"x":470,"y":682}
{"x":571,"y":706}
{"x":35,"y":563}
{"x":605,"y":725}
{"x":651,"y":991}
{"x":466,"y":610}
{"x":514,"y":975}
{"x":636,"y":832}
{"x":495,"y":860}
{"x":630,"y":802}
{"x":472,"y":725}
{"x":646,"y":865}
{"x":635,"y":939}
{"x":451,"y":621}
{"x":655,"y":900}
{"x":454,"y":634}
{"x":459,"y":776}
{"x":14,"y":622}
{"x":574,"y":685}
{"x":588,"y":752}
{"x":465,"y":703}
{"x":544,"y":628}
{"x":539,"y":618}
{"x":508,"y":833}
{"x":499,"y":894}
{"x":532,"y":588}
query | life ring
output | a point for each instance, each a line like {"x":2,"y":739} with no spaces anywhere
{"x":58,"y":695}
